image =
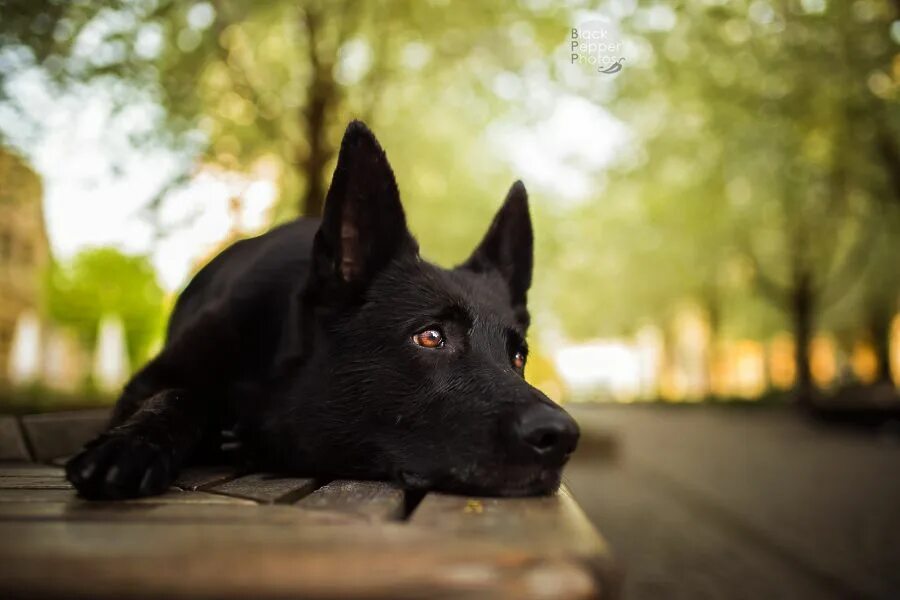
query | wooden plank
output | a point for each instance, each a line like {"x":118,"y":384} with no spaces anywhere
{"x":195,"y":478}
{"x":225,"y":545}
{"x":175,"y":496}
{"x":27,"y":476}
{"x":37,"y":495}
{"x":239,"y":560}
{"x":370,"y":500}
{"x":63,"y":495}
{"x":12,"y":444}
{"x":555,"y":526}
{"x":267,"y":488}
{"x":31,"y":482}
{"x":64,"y":433}
{"x":109,"y":512}
{"x":21,"y":469}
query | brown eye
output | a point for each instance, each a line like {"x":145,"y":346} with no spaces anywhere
{"x":518,"y":360}
{"x":430,"y":338}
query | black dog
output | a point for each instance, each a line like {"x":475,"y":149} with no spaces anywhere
{"x":331,"y":349}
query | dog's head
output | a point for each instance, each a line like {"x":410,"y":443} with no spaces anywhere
{"x":417,"y":372}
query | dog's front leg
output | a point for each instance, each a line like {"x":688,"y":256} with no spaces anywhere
{"x":141,"y":455}
{"x":162,"y":415}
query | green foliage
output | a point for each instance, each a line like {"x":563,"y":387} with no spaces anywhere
{"x":278,"y":81}
{"x":104,"y":281}
{"x":760,"y":135}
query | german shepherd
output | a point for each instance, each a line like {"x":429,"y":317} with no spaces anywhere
{"x":329,"y":348}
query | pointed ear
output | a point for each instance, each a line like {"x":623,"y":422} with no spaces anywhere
{"x":508,"y":246}
{"x":363,"y":225}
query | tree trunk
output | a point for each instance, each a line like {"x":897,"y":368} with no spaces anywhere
{"x":879,"y":322}
{"x":714,"y":314}
{"x":320,"y":99}
{"x":802,"y":306}
{"x":316,"y":158}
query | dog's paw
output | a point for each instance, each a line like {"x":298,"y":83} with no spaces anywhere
{"x":121,"y":465}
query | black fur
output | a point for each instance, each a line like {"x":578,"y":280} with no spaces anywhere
{"x":300,"y":343}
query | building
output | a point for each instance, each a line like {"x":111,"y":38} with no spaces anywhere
{"x":24,"y":249}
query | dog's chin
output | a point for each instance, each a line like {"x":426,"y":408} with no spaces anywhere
{"x":513,"y":483}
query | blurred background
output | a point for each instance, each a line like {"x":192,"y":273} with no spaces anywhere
{"x":718,"y":219}
{"x":715,"y":188}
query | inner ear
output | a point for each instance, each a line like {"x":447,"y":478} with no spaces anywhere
{"x":508,"y":246}
{"x":351,"y":267}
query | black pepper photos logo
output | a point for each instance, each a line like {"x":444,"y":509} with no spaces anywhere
{"x":597,"y":46}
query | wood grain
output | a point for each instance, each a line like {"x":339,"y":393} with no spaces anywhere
{"x":69,"y":496}
{"x":263,"y":487}
{"x":34,"y":482}
{"x":23,"y":469}
{"x":369,"y":500}
{"x":195,"y":478}
{"x":183,"y":513}
{"x":258,"y":560}
{"x":553,"y":526}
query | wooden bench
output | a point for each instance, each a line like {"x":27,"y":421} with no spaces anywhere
{"x":220,"y":535}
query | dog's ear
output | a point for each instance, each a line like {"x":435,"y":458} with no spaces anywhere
{"x":508,"y":246}
{"x":363,"y":225}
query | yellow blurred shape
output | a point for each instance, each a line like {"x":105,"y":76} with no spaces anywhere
{"x":668,"y":387}
{"x":748,"y":377}
{"x":684,"y":374}
{"x":864,"y":362}
{"x":781,"y":361}
{"x":541,"y":373}
{"x":740,"y":369}
{"x":719,"y":369}
{"x":823,"y":362}
{"x":895,"y":349}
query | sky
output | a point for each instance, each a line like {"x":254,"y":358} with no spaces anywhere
{"x":97,"y":182}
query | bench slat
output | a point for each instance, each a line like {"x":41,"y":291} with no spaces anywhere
{"x":182,"y":513}
{"x":552,"y":523}
{"x":342,"y":540}
{"x":555,"y":526}
{"x":30,"y":482}
{"x":195,"y":478}
{"x":259,"y":560}
{"x":29,"y":470}
{"x":69,"y":495}
{"x":32,"y":477}
{"x":12,"y":444}
{"x":64,"y":433}
{"x":266,"y":488}
{"x":371,"y":500}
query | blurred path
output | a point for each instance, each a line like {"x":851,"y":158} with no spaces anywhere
{"x":744,"y":503}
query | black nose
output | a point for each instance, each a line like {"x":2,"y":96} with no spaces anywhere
{"x":547,"y":433}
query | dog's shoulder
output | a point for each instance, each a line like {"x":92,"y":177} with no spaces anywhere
{"x":272,"y":263}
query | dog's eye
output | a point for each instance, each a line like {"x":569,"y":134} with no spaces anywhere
{"x":430,"y":338}
{"x":518,"y":360}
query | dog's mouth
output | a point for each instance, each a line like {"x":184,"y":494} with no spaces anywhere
{"x":511,"y":481}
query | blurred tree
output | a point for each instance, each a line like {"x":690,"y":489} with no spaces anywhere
{"x":279,"y":80}
{"x":104,"y":281}
{"x":759,"y":127}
